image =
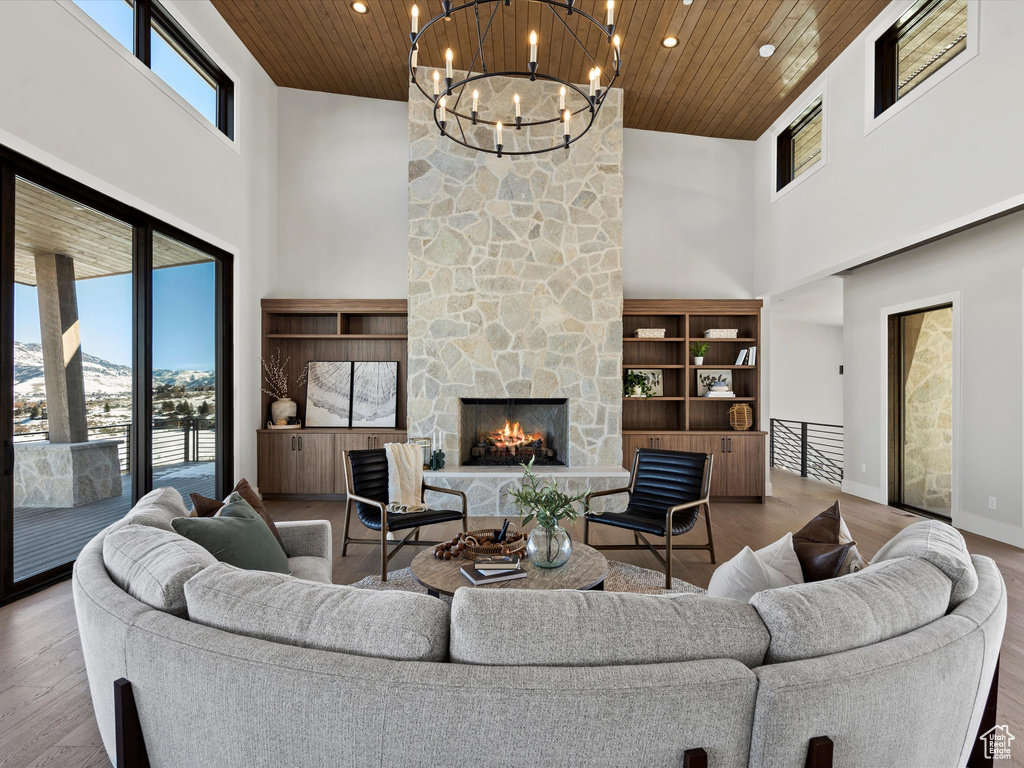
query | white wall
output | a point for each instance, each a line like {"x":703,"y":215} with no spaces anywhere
{"x":805,"y":380}
{"x":343,"y":216}
{"x":71,"y":99}
{"x":688,"y":212}
{"x":983,"y":268}
{"x":949,"y":157}
{"x":343,"y":212}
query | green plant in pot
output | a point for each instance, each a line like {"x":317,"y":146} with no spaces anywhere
{"x":698,"y":349}
{"x":635,"y":384}
{"x":549,"y":545}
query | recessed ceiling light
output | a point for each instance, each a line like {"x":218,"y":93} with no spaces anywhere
{"x":359,"y":7}
{"x":670,"y":41}
{"x":766,"y":50}
{"x":687,"y":2}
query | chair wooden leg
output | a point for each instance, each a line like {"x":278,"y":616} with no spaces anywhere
{"x":465,"y":522}
{"x":129,"y":743}
{"x":416,"y":536}
{"x":344,"y":530}
{"x":819,"y":752}
{"x":711,"y":538}
{"x":383,"y":553}
{"x":586,"y":530}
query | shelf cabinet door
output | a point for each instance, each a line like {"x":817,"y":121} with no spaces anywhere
{"x":745,"y":457}
{"x":277,"y":468}
{"x":315,"y":464}
{"x":716,"y":446}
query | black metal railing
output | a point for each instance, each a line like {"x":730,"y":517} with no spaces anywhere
{"x":175,"y":441}
{"x":811,"y":449}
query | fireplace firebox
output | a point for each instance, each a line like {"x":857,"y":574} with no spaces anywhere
{"x":511,"y":431}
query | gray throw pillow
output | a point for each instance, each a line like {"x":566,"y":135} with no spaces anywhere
{"x":942,"y":546}
{"x":238,"y":536}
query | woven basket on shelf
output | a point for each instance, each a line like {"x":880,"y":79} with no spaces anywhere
{"x":515,"y":543}
{"x":741,"y":416}
{"x":650,"y":333}
{"x":721,"y":333}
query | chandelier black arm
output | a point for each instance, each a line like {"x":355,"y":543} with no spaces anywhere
{"x":562,"y":145}
{"x":580,"y":42}
{"x":480,"y":48}
{"x":591,"y":107}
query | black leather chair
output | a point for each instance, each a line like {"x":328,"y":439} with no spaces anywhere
{"x":366,"y":486}
{"x":666,"y":491}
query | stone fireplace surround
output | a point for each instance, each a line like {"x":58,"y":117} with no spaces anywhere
{"x":515,"y":291}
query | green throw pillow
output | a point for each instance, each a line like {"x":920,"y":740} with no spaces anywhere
{"x":238,"y":536}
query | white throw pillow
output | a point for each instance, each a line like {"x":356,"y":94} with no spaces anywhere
{"x":751,"y":572}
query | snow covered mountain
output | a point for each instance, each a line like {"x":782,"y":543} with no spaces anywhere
{"x":101,"y":377}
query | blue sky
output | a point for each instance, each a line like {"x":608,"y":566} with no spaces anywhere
{"x":184,"y":334}
{"x":115,"y":16}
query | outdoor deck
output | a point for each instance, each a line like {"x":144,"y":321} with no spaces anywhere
{"x":45,"y":538}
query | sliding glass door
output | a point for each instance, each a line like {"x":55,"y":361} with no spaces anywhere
{"x":114,"y":367}
{"x":921,"y":410}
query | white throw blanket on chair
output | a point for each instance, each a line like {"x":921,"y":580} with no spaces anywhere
{"x":405,"y":477}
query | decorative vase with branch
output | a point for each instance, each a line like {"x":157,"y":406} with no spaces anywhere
{"x":276,"y":384}
{"x":698,"y":349}
{"x":549,"y":545}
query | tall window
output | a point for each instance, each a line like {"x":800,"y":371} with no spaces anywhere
{"x":146,"y":29}
{"x":919,"y":44}
{"x":799,"y":146}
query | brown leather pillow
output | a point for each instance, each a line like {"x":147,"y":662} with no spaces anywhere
{"x":204,"y":507}
{"x":821,"y":550}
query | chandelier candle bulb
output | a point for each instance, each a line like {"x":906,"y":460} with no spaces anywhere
{"x":617,"y":51}
{"x":443,"y":113}
{"x":561,"y":99}
{"x":533,"y":47}
{"x":437,"y":84}
{"x":415,"y":21}
{"x":566,"y":116}
{"x":497,"y":135}
{"x":476,"y":102}
{"x":611,"y":15}
{"x":592,"y":86}
{"x":448,"y":56}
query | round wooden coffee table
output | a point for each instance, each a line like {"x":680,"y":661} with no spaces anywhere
{"x":586,"y":569}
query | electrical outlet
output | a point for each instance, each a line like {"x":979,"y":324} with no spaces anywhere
{"x":991,"y":502}
{"x":863,"y":467}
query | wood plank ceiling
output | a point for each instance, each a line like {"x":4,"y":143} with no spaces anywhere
{"x":45,"y":222}
{"x":714,"y":83}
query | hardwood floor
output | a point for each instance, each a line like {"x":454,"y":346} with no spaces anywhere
{"x":46,"y":716}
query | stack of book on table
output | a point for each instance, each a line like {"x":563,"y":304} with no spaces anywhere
{"x":491,"y":570}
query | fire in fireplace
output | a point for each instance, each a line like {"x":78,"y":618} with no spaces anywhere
{"x":511,"y":432}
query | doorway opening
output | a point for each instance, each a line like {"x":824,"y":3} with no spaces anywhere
{"x":920,"y":383}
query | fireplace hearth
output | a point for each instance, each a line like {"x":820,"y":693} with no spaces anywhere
{"x":509,"y":432}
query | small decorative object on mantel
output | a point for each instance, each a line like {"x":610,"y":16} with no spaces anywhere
{"x":283,"y":410}
{"x":741,"y":416}
{"x":650,"y":333}
{"x":698,"y":349}
{"x":549,"y":545}
{"x":428,"y":449}
{"x":437,"y":460}
{"x":721,"y":333}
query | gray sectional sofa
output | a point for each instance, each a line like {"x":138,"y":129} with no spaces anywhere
{"x":237,"y":669}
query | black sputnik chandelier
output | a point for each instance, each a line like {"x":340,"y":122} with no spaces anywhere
{"x":547,"y":128}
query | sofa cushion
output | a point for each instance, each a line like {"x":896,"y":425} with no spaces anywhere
{"x":237,"y":536}
{"x":283,"y":609}
{"x":156,"y":509}
{"x":310,"y":568}
{"x":581,"y":629}
{"x":942,"y":546}
{"x":204,"y":507}
{"x":825,"y":547}
{"x":152,"y":565}
{"x":875,"y":604}
{"x":749,"y":572}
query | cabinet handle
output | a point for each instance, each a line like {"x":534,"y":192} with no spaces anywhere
{"x":730,"y":444}
{"x":657,"y":442}
{"x":293,"y":442}
{"x":300,"y":442}
{"x":369,"y":442}
{"x":723,"y":445}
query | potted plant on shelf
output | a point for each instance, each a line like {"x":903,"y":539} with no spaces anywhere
{"x":275,"y":375}
{"x":698,"y":349}
{"x":549,"y":545}
{"x":635,"y":384}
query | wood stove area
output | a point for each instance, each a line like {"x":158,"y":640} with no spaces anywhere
{"x":510,"y":431}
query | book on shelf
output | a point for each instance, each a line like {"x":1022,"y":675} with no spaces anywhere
{"x":741,"y":356}
{"x":752,"y":358}
{"x":478,"y":578}
{"x":497,"y":563}
{"x":719,"y":394}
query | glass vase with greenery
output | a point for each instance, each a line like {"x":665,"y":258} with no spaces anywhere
{"x":549,"y":545}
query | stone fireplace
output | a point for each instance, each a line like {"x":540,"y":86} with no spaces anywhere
{"x":515,"y":293}
{"x":507,"y":432}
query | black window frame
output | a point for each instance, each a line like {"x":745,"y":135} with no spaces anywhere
{"x":887,"y":54}
{"x":785,"y":144}
{"x":148,"y":13}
